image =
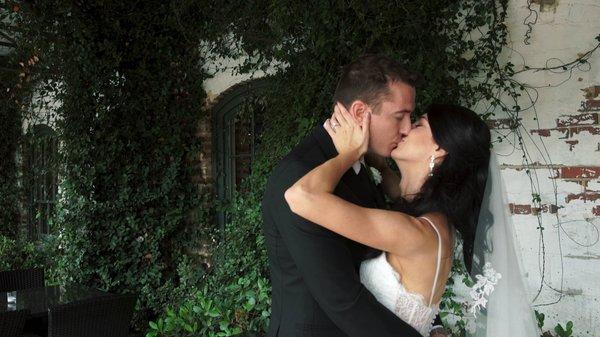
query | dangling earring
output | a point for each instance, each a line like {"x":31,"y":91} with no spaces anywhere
{"x":431,"y":165}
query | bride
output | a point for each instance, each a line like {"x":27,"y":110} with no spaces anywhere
{"x":443,"y":163}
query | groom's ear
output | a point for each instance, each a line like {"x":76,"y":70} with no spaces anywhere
{"x":359,"y":109}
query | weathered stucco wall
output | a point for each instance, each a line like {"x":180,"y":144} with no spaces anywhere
{"x":562,"y":135}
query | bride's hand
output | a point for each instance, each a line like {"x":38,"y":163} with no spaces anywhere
{"x":348,"y":136}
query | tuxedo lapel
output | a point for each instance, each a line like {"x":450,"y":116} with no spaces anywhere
{"x":325,"y":142}
{"x":348,"y":182}
{"x":367,"y":189}
{"x":381,"y":203}
{"x":348,"y":187}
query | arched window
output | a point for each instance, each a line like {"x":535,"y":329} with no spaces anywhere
{"x":40,"y":178}
{"x":237,"y":126}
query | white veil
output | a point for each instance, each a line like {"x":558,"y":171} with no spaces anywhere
{"x":496,"y":269}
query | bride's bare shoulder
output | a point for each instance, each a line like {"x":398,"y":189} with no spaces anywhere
{"x":440,"y":221}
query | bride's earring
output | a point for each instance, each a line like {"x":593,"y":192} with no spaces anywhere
{"x":431,"y":165}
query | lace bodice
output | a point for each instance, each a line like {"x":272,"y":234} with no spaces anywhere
{"x":380,"y":278}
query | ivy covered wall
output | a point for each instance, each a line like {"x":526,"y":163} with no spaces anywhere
{"x":128,"y":79}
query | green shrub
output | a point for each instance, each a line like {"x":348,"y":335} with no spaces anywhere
{"x":10,"y":137}
{"x":244,"y":307}
{"x":129,"y":83}
{"x":16,"y":254}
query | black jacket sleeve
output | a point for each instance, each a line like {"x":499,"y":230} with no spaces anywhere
{"x":326,"y":265}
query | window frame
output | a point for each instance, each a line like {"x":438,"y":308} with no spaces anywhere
{"x":41,"y":192}
{"x":228,"y":105}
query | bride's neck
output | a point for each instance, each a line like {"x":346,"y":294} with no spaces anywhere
{"x":413,"y":176}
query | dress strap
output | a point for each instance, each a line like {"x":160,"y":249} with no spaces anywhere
{"x":439,"y":258}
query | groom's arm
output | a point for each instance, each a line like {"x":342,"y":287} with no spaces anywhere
{"x":326,"y":265}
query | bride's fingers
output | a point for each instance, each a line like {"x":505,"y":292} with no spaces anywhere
{"x":342,"y":108}
{"x":336,"y":114}
{"x":337,"y":118}
{"x":342,"y":113}
{"x":330,"y":130}
{"x":346,"y":115}
{"x":335,"y":121}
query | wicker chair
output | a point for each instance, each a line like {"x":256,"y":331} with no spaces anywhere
{"x":12,"y":323}
{"x":107,"y":316}
{"x":12,"y":280}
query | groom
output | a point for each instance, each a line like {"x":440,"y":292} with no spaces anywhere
{"x":314,"y":272}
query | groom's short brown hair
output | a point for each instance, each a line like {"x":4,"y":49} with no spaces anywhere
{"x":368,"y":77}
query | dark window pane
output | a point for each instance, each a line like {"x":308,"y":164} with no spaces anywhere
{"x":237,"y":129}
{"x":41,"y":178}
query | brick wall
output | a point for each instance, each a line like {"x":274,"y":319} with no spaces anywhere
{"x":562,"y":137}
{"x":568,"y":129}
{"x":203,"y":162}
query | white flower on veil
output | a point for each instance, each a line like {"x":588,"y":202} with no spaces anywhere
{"x":481,"y":291}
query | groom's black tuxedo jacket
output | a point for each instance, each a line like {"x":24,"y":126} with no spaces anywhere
{"x":314,"y":272}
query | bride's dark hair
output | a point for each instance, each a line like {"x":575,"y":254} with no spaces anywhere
{"x":458,"y":183}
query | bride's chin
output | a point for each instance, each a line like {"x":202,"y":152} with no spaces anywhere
{"x":396,"y":154}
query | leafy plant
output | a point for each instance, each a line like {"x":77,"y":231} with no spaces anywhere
{"x":540,"y":319}
{"x":209,"y":314}
{"x":124,"y":88}
{"x":10,"y":138}
{"x":16,"y":254}
{"x":567,"y":331}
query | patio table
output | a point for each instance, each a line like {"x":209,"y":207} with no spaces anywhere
{"x":39,"y":300}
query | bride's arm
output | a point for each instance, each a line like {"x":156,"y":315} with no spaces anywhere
{"x":312,"y":198}
{"x":389,"y":231}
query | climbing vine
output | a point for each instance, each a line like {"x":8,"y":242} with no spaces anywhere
{"x":123,"y":84}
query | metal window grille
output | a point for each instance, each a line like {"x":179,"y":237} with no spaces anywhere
{"x":237,"y":128}
{"x":41,"y":177}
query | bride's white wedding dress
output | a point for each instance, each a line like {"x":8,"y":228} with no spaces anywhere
{"x":495,"y":246}
{"x":380,"y":278}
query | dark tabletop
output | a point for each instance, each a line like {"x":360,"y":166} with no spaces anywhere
{"x":38,"y":300}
